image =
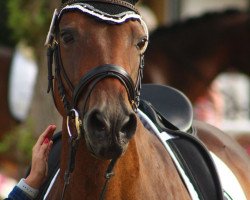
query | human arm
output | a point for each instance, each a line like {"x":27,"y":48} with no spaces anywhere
{"x":39,"y":168}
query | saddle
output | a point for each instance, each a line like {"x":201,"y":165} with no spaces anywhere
{"x":171,"y":111}
{"x":169,"y":105}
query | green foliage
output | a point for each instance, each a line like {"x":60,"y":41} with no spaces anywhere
{"x":6,"y":38}
{"x":19,"y":143}
{"x":29,"y":19}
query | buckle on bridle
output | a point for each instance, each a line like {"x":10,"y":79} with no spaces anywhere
{"x":73,"y":115}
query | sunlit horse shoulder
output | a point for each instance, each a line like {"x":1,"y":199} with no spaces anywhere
{"x":107,"y":152}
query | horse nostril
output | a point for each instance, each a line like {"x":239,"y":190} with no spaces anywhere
{"x":100,"y":127}
{"x":97,"y":123}
{"x":129,"y":125}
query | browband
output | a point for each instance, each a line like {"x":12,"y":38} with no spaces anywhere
{"x":84,"y":7}
{"x":114,"y":2}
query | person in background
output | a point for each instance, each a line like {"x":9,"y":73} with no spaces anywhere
{"x":210,"y":107}
{"x":28,"y":188}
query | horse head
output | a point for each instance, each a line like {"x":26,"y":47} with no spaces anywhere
{"x":98,"y":51}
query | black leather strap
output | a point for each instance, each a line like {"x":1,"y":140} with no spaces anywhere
{"x":102,"y":72}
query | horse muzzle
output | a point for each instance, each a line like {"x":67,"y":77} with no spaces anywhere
{"x":107,"y":132}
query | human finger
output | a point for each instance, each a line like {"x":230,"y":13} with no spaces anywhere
{"x":48,"y":149}
{"x":46,"y":134}
{"x":45,"y":147}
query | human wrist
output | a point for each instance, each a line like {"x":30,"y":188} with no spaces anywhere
{"x":33,"y":181}
{"x":29,"y":190}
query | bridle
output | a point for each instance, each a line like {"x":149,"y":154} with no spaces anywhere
{"x":87,"y":83}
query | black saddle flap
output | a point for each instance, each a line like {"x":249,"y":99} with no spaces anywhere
{"x":191,"y":153}
{"x":198,"y":165}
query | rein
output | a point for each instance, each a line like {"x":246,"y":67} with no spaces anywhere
{"x":71,"y":164}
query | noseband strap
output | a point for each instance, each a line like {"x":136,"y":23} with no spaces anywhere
{"x":89,"y":80}
{"x":96,"y":75}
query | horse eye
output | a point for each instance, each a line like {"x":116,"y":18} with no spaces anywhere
{"x":142,"y":44}
{"x":67,"y":38}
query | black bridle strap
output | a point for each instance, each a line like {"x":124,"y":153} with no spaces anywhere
{"x":108,"y":175}
{"x":71,"y":164}
{"x":139,"y":81}
{"x":62,"y":92}
{"x":102,"y":72}
{"x":50,"y":52}
{"x":69,"y":83}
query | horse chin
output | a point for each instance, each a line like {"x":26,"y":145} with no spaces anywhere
{"x":106,"y":152}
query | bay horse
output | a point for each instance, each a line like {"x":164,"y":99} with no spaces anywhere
{"x":190,"y":54}
{"x":98,"y":48}
{"x":193,"y":52}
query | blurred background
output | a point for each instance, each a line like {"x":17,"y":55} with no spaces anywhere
{"x":26,"y":108}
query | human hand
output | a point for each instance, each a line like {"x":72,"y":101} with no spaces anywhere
{"x":40,"y":153}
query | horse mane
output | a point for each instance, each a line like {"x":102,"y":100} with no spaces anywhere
{"x":195,"y":21}
{"x":196,"y":37}
{"x":199,"y":48}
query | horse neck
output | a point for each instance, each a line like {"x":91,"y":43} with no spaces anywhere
{"x":135,"y":175}
{"x":88,"y":177}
